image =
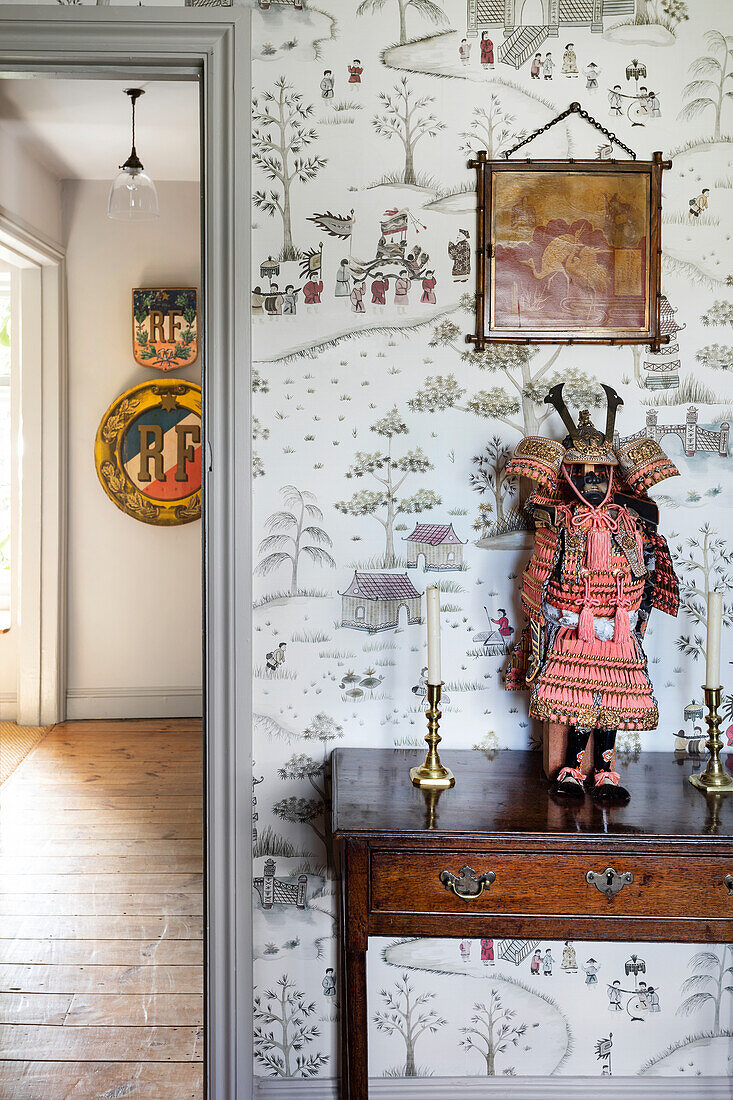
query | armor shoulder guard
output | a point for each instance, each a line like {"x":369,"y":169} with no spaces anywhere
{"x":646,"y":510}
{"x":539,"y":459}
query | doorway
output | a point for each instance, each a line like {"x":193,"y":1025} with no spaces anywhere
{"x":214,"y":46}
{"x":101,"y":859}
{"x":533,"y":14}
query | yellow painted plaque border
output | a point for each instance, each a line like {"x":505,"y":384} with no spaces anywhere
{"x":113,"y":477}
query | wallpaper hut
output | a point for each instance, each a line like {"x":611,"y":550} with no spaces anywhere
{"x":663,"y":366}
{"x":523,"y":40}
{"x":439,"y":544}
{"x":373,"y":600}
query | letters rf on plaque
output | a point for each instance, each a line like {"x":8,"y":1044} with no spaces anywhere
{"x":165,"y":327}
{"x":148,"y":452}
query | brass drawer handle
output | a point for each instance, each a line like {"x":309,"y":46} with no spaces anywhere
{"x":609,"y":882}
{"x":728,"y":880}
{"x":467,"y":884}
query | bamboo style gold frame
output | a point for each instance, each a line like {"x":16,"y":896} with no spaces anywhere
{"x":491,"y":183}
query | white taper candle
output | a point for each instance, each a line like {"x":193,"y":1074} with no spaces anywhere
{"x":715,"y":622}
{"x":432,"y":599}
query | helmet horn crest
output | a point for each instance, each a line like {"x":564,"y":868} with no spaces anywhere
{"x":555,"y":398}
{"x":612,"y":403}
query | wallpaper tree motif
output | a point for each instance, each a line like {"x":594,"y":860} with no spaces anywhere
{"x":406,"y":1014}
{"x":710,"y":89}
{"x":281,"y":134}
{"x":379,"y":428}
{"x":406,"y":116}
{"x":492,"y":1030}
{"x":427,"y":8}
{"x":292,"y":537}
{"x":391,"y":473}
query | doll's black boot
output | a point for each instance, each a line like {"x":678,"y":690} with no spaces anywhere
{"x":570,"y":781}
{"x":607,"y":786}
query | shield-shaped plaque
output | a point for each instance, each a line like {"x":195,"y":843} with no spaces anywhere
{"x":148,"y":452}
{"x":165,"y":326}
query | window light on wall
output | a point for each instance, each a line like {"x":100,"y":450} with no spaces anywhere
{"x":132,"y":196}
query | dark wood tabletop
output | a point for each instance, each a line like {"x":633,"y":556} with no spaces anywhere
{"x":509,"y":795}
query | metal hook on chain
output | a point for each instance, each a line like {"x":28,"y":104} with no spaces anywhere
{"x":574,"y":109}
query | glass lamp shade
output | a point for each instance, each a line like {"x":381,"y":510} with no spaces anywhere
{"x":132,"y":196}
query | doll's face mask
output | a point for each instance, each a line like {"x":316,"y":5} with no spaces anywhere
{"x":591,"y":482}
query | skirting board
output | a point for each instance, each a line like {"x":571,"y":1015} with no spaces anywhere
{"x":8,"y":706}
{"x":134,"y":702}
{"x":506,"y":1088}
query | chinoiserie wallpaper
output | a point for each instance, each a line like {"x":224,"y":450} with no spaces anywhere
{"x":381,"y":444}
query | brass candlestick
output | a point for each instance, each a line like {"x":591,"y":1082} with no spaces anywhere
{"x":431,"y":775}
{"x":715,"y":777}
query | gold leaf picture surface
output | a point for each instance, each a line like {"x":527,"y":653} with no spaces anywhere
{"x":570,"y":251}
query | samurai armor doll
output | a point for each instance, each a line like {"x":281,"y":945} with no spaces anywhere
{"x":598,"y":567}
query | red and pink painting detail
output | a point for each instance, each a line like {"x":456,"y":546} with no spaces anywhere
{"x":583,"y":269}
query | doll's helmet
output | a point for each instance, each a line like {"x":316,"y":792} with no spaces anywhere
{"x":587,"y":445}
{"x":641,"y":461}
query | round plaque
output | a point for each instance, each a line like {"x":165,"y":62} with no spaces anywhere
{"x":148,"y":452}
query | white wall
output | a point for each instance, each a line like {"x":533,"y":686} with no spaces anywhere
{"x":28,"y":191}
{"x":134,"y":591}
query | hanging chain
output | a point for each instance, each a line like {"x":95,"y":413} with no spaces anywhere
{"x":573,"y":109}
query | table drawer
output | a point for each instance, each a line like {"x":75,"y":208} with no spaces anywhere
{"x":408,"y":881}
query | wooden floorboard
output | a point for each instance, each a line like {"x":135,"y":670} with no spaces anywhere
{"x":81,"y":883}
{"x":86,"y":824}
{"x":74,"y":927}
{"x":35,"y":1008}
{"x":101,"y":914}
{"x":84,"y":1081}
{"x":49,"y":1043}
{"x":97,"y":1009}
{"x":137,"y":1010}
{"x":188,"y":902}
{"x":63,"y":978}
{"x":35,"y":852}
{"x":96,"y":865}
{"x":103,"y":952}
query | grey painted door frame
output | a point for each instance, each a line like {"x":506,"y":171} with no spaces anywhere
{"x":213,"y":46}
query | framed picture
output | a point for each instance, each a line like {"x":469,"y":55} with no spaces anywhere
{"x":569,"y":252}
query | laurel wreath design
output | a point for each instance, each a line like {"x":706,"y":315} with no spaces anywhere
{"x":190,"y":510}
{"x":132,"y":498}
{"x":117,"y":421}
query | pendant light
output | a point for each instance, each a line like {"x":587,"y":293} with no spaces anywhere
{"x":132,"y":196}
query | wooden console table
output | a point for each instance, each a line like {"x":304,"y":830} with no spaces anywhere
{"x":500,"y":856}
